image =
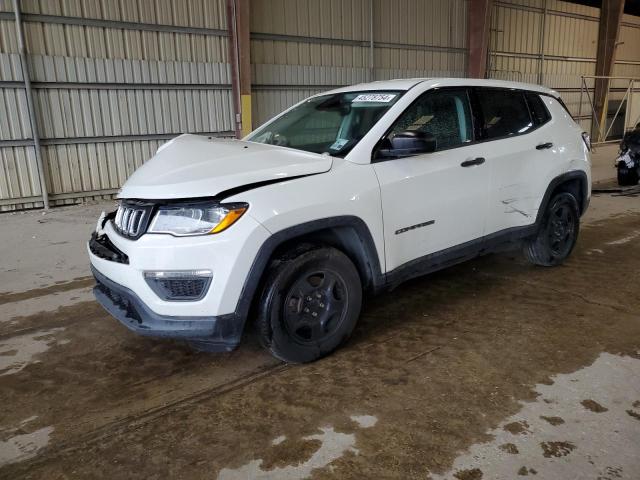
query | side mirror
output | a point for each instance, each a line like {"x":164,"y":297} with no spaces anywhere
{"x":406,"y":144}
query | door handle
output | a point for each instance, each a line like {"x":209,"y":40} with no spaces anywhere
{"x":544,"y":146}
{"x":473,"y":161}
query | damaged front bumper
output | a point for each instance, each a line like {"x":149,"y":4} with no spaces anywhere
{"x":221,"y":333}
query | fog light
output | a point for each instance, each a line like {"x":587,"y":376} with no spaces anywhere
{"x":184,"y":285}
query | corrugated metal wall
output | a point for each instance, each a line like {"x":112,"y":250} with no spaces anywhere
{"x":569,"y":45}
{"x":113,"y":80}
{"x":302,"y":47}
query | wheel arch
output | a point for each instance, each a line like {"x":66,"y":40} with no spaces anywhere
{"x":574,"y":182}
{"x":348,"y":233}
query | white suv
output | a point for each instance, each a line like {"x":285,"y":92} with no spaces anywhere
{"x":347,"y":192}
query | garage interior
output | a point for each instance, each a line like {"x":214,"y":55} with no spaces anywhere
{"x":492,"y":369}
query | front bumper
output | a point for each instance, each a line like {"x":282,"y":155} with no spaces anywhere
{"x":221,"y":333}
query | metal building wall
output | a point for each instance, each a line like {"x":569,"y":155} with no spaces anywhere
{"x":112,"y":81}
{"x":554,"y":43}
{"x":302,"y":47}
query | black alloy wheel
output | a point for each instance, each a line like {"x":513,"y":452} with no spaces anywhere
{"x":557,"y":233}
{"x":310,"y":303}
{"x":315,"y":306}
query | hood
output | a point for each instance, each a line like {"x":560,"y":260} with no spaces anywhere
{"x":192,"y":166}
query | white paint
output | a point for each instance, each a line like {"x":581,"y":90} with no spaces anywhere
{"x":364,"y":421}
{"x":196,"y":166}
{"x":24,"y":446}
{"x":606,"y":444}
{"x":632,"y":236}
{"x":278,"y":440}
{"x":18,"y":352}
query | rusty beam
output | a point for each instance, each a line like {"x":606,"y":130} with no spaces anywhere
{"x":478,"y":37}
{"x":610,"y":19}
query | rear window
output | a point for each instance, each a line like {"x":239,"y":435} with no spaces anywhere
{"x":504,"y":113}
{"x":539,"y":112}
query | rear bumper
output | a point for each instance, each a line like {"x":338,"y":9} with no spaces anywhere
{"x":218,"y":333}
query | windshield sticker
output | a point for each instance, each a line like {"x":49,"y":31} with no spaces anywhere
{"x":338,"y":144}
{"x":375,"y":97}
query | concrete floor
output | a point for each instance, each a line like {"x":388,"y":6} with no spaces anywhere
{"x":492,"y":369}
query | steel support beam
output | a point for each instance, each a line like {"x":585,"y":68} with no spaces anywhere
{"x":239,"y":49}
{"x":33,"y":120}
{"x":478,"y":37}
{"x":608,"y":32}
{"x":372,"y":45}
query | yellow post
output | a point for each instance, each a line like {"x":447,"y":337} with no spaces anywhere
{"x":246,"y":114}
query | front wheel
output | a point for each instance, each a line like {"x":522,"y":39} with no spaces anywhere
{"x":310,"y":303}
{"x":558,"y":232}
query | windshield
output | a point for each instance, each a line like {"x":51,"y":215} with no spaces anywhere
{"x":331,"y":124}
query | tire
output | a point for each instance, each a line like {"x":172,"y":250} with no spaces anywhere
{"x":627,"y":176}
{"x":557,"y":234}
{"x":309,"y":304}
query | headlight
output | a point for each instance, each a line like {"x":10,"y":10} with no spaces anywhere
{"x":196,"y":218}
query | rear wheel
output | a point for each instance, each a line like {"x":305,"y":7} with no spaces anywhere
{"x":557,"y":234}
{"x":310,"y":303}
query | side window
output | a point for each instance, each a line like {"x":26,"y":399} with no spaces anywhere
{"x":444,"y":114}
{"x":504,"y":113}
{"x":538,"y":110}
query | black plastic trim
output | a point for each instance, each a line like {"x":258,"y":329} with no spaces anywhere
{"x":261,"y":261}
{"x":495,"y":242}
{"x":218,"y":333}
{"x":559,"y":180}
{"x":102,"y":247}
{"x":164,"y":294}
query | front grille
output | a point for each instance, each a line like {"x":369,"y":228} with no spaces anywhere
{"x":132,"y":218}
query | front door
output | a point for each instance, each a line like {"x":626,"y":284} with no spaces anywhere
{"x":434,"y":201}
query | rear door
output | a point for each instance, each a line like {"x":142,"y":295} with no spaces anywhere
{"x":434,"y":201}
{"x":519,"y":148}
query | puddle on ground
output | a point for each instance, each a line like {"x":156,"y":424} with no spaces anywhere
{"x":365,"y":421}
{"x":16,"y":448}
{"x":632,"y":236}
{"x":46,"y":303}
{"x":19,"y":351}
{"x":333,"y":445}
{"x":579,"y":427}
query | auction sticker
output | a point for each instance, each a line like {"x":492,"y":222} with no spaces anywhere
{"x":375,"y":97}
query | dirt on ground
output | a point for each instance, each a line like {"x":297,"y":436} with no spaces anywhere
{"x":431,"y":368}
